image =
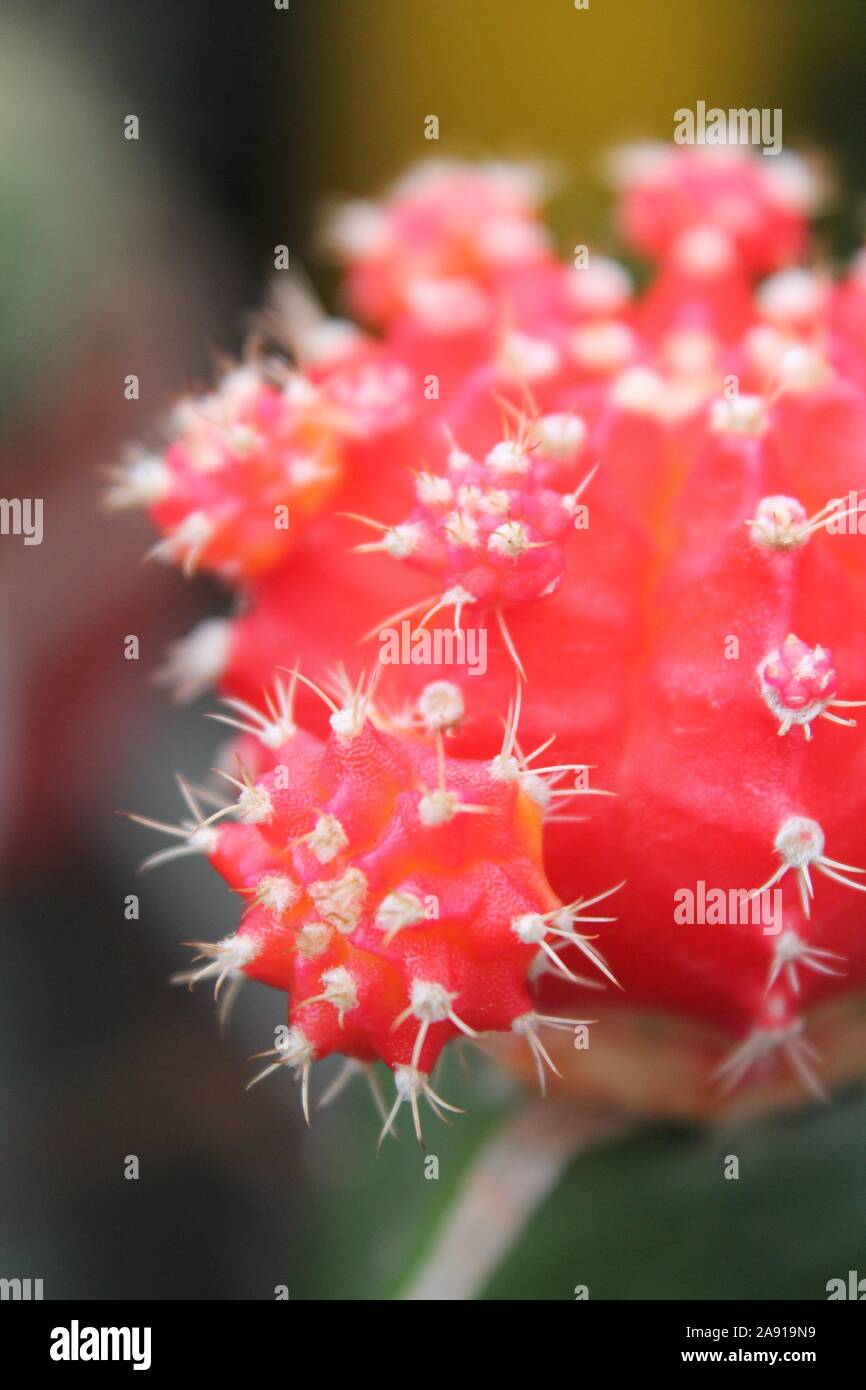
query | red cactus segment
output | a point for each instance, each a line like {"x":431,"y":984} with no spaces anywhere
{"x":491,"y":530}
{"x":443,"y":234}
{"x":395,"y":893}
{"x":758,"y":206}
{"x":728,"y":607}
{"x":714,"y":216}
{"x":251,"y":463}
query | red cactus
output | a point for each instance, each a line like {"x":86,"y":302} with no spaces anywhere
{"x":637,"y":505}
{"x":759,"y":206}
{"x":244,"y":454}
{"x":444,"y":245}
{"x":395,"y":893}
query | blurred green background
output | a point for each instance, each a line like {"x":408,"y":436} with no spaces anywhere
{"x":144,"y":257}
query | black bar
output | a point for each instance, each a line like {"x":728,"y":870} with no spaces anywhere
{"x":246,"y":1337}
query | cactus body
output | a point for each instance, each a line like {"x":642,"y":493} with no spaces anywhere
{"x":649,"y":510}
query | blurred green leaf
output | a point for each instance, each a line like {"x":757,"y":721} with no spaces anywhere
{"x":654,"y":1217}
{"x":649,"y":1217}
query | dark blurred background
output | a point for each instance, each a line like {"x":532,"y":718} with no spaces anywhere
{"x":147,"y":256}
